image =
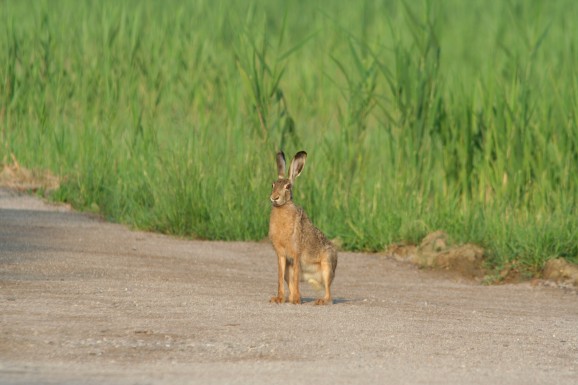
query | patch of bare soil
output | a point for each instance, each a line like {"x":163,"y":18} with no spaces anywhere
{"x":434,"y":251}
{"x":16,"y":177}
{"x":467,"y":260}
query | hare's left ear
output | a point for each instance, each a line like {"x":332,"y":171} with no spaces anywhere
{"x":297,"y":165}
{"x":280,"y":164}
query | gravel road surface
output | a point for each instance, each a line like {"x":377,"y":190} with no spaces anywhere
{"x":83,"y":301}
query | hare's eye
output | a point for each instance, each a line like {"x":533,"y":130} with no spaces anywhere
{"x":272,"y":185}
{"x":288,"y":186}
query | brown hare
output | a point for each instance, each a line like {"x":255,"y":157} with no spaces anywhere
{"x":303,"y":252}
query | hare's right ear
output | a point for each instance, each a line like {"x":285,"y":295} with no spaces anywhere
{"x":297,"y":165}
{"x":280,"y":165}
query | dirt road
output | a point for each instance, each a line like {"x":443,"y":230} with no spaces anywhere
{"x":88,"y":302}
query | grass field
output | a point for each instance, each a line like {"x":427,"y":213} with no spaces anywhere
{"x":417,"y":116}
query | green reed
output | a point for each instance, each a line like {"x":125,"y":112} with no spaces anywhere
{"x":417,"y":116}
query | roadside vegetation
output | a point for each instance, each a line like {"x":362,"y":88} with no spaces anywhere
{"x":450,"y":115}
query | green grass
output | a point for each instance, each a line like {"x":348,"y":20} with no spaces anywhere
{"x":417,"y":116}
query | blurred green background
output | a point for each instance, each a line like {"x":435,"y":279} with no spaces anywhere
{"x":416,"y":115}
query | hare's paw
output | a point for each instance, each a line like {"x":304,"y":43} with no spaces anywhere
{"x":277,"y":300}
{"x":295,"y":300}
{"x":323,"y":301}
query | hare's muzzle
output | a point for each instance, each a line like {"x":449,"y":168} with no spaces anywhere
{"x":275,"y":200}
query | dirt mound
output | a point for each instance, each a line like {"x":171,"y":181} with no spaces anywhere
{"x":19,"y":178}
{"x":561,"y":271}
{"x":434,"y":251}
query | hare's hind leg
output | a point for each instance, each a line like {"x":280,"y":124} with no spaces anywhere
{"x":327,"y":273}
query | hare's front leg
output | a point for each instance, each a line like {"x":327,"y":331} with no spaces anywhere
{"x":293,"y":280}
{"x":282,"y":261}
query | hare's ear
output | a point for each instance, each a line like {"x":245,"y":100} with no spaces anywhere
{"x":280,"y":164}
{"x":297,"y":165}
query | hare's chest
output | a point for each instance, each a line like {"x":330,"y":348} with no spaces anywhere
{"x":282,"y":227}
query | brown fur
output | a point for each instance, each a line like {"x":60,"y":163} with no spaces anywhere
{"x":303,"y":252}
